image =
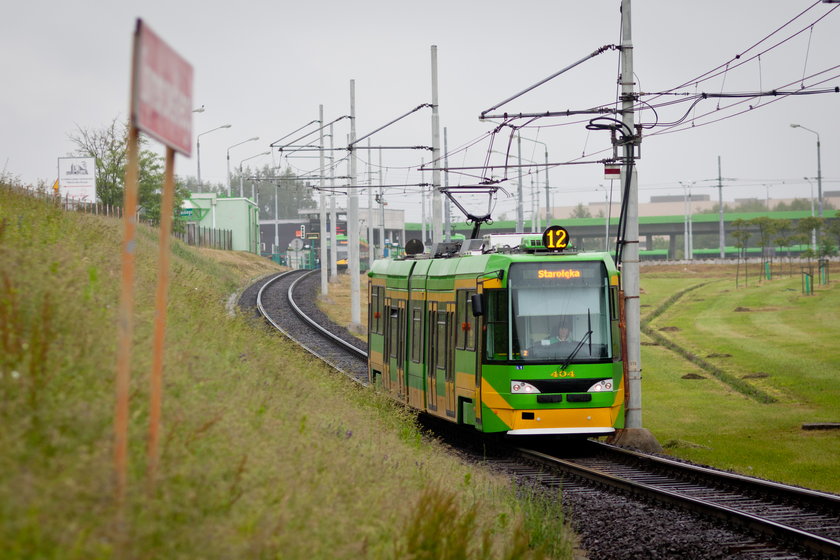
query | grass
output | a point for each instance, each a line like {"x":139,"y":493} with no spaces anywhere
{"x":265,"y":452}
{"x":767,"y":336}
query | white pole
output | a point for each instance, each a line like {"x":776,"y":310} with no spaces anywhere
{"x":437,"y":228}
{"x":353,"y":219}
{"x":520,"y":220}
{"x":322,"y":205}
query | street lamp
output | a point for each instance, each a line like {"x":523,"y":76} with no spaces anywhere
{"x":819,"y":168}
{"x":228,"y":158}
{"x":240,"y":172}
{"x":198,"y":149}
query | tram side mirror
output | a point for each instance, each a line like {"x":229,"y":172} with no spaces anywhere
{"x":477,"y":305}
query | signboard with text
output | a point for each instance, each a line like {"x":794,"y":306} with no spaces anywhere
{"x":77,"y":178}
{"x":162,"y":96}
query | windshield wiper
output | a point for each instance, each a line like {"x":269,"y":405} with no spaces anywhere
{"x":587,"y":335}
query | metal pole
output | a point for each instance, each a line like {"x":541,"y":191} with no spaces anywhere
{"x":721,"y":232}
{"x":333,"y":213}
{"x":630,"y":265}
{"x":322,"y":205}
{"x":548,"y":214}
{"x":353,"y":219}
{"x":198,"y":159}
{"x":447,"y":214}
{"x":371,"y":246}
{"x":819,"y":177}
{"x":437,"y":227}
{"x":381,"y":207}
{"x":423,"y":237}
{"x":520,"y":220}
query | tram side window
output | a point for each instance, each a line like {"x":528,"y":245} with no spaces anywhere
{"x":471,"y":322}
{"x":395,"y":330}
{"x":465,"y":322}
{"x":416,"y":334}
{"x":376,"y":308}
{"x":496,"y":347}
{"x":440,"y":340}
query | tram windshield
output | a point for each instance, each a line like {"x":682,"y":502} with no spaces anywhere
{"x":560,"y":313}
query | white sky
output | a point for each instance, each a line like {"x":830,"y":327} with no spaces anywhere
{"x":265,"y":66}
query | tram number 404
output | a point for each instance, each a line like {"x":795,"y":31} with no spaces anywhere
{"x":555,"y":237}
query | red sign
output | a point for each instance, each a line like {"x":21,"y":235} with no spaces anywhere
{"x":612,"y":171}
{"x":162,"y":91}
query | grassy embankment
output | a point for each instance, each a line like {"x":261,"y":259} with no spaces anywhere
{"x":772,"y":359}
{"x":265,"y":452}
{"x":771,"y":363}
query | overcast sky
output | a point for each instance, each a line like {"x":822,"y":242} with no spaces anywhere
{"x":265,"y":66}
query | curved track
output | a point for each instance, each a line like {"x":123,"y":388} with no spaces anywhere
{"x":753,"y":519}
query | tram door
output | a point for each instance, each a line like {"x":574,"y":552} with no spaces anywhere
{"x":441,"y":381}
{"x":395,"y":349}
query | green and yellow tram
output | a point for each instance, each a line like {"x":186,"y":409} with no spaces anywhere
{"x":504,"y":333}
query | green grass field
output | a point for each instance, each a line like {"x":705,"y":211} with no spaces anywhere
{"x":770,"y":337}
{"x":265,"y":451}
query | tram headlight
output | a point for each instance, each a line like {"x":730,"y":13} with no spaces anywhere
{"x":522,"y":388}
{"x":603,"y":385}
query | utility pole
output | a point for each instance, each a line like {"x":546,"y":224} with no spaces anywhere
{"x":634,"y":433}
{"x":437,"y":233}
{"x":721,"y":231}
{"x":353,"y":220}
{"x":322,"y":204}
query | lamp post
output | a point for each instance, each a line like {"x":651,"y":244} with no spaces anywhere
{"x":241,"y":192}
{"x":819,"y":167}
{"x":198,"y":149}
{"x":228,"y":158}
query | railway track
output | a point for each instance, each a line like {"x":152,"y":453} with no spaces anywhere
{"x":801,"y":519}
{"x":760,"y":519}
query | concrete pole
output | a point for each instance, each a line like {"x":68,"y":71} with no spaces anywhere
{"x":630,"y":264}
{"x":333,"y":213}
{"x":437,"y":227}
{"x":721,"y":231}
{"x":353,"y":220}
{"x":322,"y":205}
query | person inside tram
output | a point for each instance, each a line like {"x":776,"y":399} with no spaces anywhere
{"x":563,"y":334}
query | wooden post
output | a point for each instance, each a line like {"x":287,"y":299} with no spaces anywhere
{"x":125,"y":324}
{"x":156,"y":388}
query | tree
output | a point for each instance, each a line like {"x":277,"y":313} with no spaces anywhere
{"x":580,"y":211}
{"x":108,"y":146}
